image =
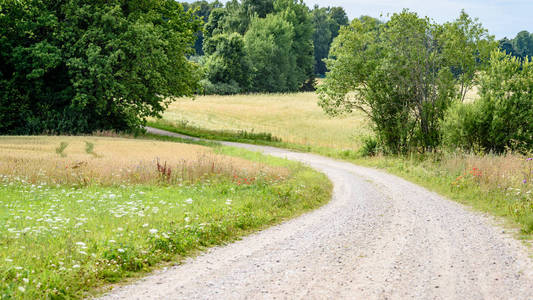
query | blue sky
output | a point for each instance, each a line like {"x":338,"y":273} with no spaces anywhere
{"x":502,"y":18}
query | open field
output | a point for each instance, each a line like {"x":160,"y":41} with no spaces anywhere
{"x":497,"y":184}
{"x":295,"y":118}
{"x":75,"y":219}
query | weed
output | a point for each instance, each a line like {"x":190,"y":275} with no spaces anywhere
{"x":61,"y":149}
{"x":89,"y":149}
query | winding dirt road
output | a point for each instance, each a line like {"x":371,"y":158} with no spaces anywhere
{"x":380,"y":237}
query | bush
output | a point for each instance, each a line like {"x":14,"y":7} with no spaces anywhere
{"x":220,"y":88}
{"x":502,"y":119}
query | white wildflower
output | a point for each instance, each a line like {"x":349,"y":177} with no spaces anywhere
{"x":153,"y":231}
{"x":22,"y":289}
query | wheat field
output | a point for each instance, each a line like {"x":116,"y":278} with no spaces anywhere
{"x":295,"y":118}
{"x":114,"y":161}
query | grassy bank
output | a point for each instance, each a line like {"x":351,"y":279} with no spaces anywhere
{"x":500,"y":185}
{"x":62,"y":237}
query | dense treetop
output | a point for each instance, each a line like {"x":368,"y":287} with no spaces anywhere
{"x":75,"y":66}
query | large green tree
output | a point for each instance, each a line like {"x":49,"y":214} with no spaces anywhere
{"x":75,"y":66}
{"x":403,"y":74}
{"x":268,"y":44}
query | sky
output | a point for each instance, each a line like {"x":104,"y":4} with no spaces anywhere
{"x":502,"y":18}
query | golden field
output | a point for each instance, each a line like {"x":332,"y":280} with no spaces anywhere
{"x":295,"y":118}
{"x":114,"y":161}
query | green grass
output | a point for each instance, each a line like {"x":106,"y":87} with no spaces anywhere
{"x":66,"y":242}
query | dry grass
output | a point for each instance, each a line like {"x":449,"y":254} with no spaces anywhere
{"x":295,"y":118}
{"x":492,"y":171}
{"x":116,"y":161}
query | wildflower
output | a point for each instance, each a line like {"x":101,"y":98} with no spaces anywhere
{"x":82,"y":244}
{"x":75,"y":266}
{"x":26,"y":280}
{"x":9,"y":260}
{"x":145,"y":225}
{"x":22,"y":289}
{"x":153,"y":231}
{"x":188,"y":201}
{"x":529,"y":159}
{"x":187,"y":219}
{"x":524,"y":181}
{"x":121,"y":250}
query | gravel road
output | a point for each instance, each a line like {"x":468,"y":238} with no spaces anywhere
{"x":380,"y":237}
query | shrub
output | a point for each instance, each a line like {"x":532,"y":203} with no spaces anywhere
{"x":502,"y":119}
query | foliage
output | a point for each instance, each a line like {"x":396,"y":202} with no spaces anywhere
{"x":278,"y":60}
{"x":327,"y":22}
{"x":202,"y":9}
{"x":226,"y":63}
{"x":77,"y":66}
{"x":268,"y":43}
{"x":403,"y":74}
{"x":502,"y":119}
{"x":520,"y":46}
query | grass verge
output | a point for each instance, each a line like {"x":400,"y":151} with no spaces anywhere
{"x":64,"y":241}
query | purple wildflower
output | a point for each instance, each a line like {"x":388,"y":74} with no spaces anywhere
{"x":524,"y":181}
{"x":529,"y":159}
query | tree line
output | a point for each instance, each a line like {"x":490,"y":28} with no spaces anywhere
{"x":520,"y":46}
{"x":263,"y":45}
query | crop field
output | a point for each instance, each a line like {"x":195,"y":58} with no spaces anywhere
{"x":115,"y":161}
{"x":294,"y":118}
{"x":76,"y":217}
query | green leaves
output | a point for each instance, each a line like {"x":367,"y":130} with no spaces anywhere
{"x":403,"y":74}
{"x":100,"y":64}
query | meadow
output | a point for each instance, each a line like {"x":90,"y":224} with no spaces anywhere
{"x":79,"y":213}
{"x":293,"y":118}
{"x":499,"y":184}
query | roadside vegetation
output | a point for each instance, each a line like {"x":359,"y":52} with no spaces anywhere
{"x":78,"y":213}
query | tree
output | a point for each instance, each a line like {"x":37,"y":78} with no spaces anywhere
{"x":268,"y":44}
{"x":523,"y":44}
{"x":326,"y":22}
{"x":400,"y":75}
{"x":227,"y":61}
{"x":322,"y":38}
{"x":466,"y":46}
{"x":202,"y":9}
{"x":75,"y":66}
{"x":296,"y":13}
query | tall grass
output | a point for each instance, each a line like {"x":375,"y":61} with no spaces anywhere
{"x":119,"y":161}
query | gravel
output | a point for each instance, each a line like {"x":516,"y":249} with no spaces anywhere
{"x":380,"y":237}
